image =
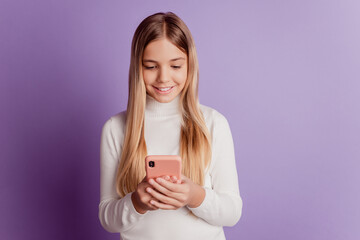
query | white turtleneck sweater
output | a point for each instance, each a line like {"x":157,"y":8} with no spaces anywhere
{"x":222,"y":205}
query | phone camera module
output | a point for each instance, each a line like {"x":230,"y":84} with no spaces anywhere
{"x":151,"y":164}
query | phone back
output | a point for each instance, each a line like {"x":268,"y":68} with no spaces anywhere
{"x":161,"y":165}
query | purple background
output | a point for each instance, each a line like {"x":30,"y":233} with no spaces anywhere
{"x":284,"y":73}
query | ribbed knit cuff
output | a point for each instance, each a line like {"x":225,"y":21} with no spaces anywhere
{"x":129,"y":206}
{"x":204,"y":207}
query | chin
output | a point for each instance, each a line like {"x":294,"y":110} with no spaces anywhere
{"x":163,"y":100}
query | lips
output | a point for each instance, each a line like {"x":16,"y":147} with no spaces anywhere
{"x":165,"y":90}
{"x":163,"y":87}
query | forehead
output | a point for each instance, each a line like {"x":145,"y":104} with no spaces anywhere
{"x":162,"y":50}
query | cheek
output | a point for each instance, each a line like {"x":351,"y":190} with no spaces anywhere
{"x":182,"y":76}
{"x":148,"y":77}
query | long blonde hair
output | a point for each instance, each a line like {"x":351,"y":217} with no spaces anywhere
{"x":195,"y":142}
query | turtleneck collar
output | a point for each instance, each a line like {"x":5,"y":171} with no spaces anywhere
{"x":156,"y":109}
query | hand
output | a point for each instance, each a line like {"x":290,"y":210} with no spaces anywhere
{"x":141,"y":199}
{"x":171,"y":193}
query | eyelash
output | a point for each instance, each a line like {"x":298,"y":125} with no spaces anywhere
{"x":176,"y":67}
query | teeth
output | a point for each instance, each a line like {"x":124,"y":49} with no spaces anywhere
{"x":164,"y":89}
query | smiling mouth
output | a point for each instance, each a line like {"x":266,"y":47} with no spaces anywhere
{"x":164,"y":89}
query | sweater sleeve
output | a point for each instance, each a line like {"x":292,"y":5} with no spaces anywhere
{"x":222,"y":205}
{"x":115,"y":214}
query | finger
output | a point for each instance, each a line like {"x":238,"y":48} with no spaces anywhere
{"x":147,"y":199}
{"x":171,"y":179}
{"x":160,"y":188}
{"x":184,"y":179}
{"x":169,"y":185}
{"x":174,"y":179}
{"x":151,"y":206}
{"x":163,"y":189}
{"x":144,"y":201}
{"x":180,"y":196}
{"x":162,"y":198}
{"x":162,"y":205}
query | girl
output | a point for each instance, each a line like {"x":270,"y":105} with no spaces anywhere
{"x":164,"y":117}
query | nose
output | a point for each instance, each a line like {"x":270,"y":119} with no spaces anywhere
{"x":164,"y":75}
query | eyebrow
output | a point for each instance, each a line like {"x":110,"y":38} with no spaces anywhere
{"x":171,"y":60}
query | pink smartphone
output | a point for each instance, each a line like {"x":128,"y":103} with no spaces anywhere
{"x":161,"y":165}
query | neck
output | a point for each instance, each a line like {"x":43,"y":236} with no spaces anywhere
{"x":155,"y":108}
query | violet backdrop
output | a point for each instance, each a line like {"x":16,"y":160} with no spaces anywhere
{"x":284,"y":73}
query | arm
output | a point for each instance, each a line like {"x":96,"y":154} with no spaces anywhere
{"x":222,"y":204}
{"x":115,"y":214}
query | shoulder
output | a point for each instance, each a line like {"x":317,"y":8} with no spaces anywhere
{"x":213,"y":117}
{"x":115,"y":124}
{"x":119,"y":119}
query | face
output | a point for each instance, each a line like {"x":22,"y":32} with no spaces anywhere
{"x":164,"y":69}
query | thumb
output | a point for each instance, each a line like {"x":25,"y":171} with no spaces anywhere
{"x":184,"y":178}
{"x":144,"y":179}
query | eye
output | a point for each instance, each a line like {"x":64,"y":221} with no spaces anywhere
{"x":176,"y":67}
{"x":151,"y":67}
